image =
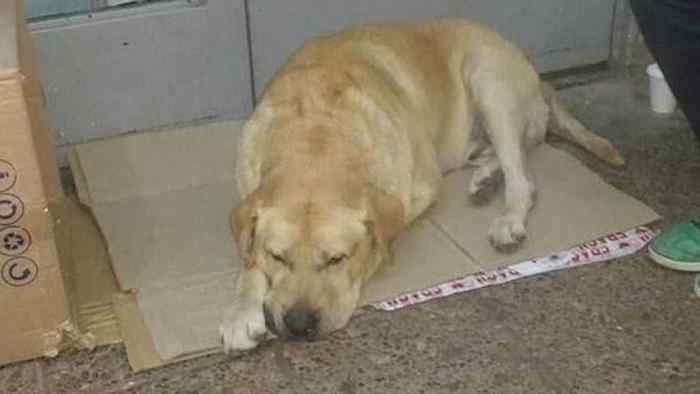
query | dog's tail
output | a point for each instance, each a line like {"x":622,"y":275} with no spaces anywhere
{"x":563,"y":124}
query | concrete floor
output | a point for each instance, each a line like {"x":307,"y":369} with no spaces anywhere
{"x":628,"y":326}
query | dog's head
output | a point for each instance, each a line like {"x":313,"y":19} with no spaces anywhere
{"x":315,"y":252}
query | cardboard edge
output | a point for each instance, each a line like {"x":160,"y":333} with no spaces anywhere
{"x":79,"y":178}
{"x":96,"y":318}
{"x":66,"y":263}
{"x":42,"y":132}
{"x":140,"y":348}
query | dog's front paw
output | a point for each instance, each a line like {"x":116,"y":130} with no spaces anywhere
{"x":243,"y":327}
{"x":507,"y":233}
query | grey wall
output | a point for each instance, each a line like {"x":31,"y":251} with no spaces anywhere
{"x":171,"y":63}
{"x":111,"y":73}
{"x":556,"y":33}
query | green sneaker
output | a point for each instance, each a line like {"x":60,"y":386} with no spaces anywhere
{"x":678,"y":247}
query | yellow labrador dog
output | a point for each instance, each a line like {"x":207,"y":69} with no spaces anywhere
{"x":349,"y":144}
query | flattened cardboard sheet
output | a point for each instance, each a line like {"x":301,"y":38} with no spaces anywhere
{"x":162,"y":201}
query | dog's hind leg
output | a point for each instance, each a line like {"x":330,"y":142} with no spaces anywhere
{"x":508,"y":230}
{"x":507,"y":123}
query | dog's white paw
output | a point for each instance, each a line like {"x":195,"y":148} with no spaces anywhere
{"x":243,"y":327}
{"x":507,"y":233}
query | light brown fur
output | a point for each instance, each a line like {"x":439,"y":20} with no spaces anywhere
{"x":349,"y":144}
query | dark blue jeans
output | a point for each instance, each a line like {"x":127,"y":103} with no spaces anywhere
{"x":671,"y":29}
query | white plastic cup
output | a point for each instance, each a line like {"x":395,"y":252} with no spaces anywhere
{"x":661,"y":97}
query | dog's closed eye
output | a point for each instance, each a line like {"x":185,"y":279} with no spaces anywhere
{"x":277,"y":257}
{"x":335,"y":260}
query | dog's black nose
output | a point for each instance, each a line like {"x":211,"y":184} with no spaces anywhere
{"x":301,"y":322}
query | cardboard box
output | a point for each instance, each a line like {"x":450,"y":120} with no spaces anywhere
{"x":39,"y":311}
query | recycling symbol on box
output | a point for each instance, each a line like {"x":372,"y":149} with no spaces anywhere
{"x":14,"y":241}
{"x":8,"y":176}
{"x":19,"y":271}
{"x":11,"y":209}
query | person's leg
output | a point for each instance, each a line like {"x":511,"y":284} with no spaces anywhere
{"x":671,"y":29}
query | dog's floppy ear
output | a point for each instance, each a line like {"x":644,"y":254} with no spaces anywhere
{"x":384,"y":220}
{"x":244,"y":219}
